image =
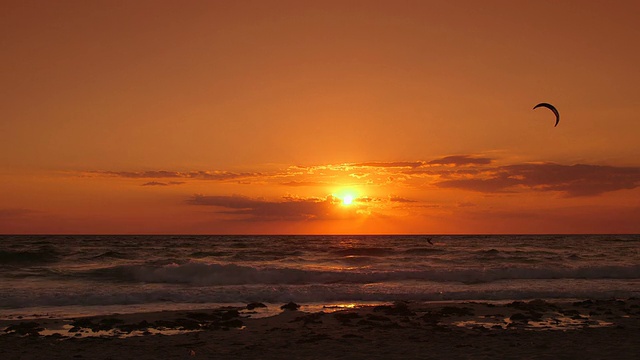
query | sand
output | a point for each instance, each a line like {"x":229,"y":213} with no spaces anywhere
{"x":589,"y":329}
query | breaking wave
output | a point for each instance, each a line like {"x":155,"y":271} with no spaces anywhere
{"x":196,"y":273}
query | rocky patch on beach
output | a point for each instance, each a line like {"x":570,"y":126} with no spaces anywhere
{"x":221,"y":319}
{"x":470,"y":316}
{"x":24,"y":328}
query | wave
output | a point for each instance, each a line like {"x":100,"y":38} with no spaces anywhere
{"x":327,"y":293}
{"x":202,"y":254}
{"x":423,"y":251}
{"x":364,"y":251}
{"x":265,"y":255}
{"x":196,"y":273}
{"x":111,"y":255}
{"x":45,"y":254}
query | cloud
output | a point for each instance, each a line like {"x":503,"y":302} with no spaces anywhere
{"x":303,"y":183}
{"x":12,"y":213}
{"x":158,"y":183}
{"x":290,"y":209}
{"x":573,"y":180}
{"x":400,"y":199}
{"x":162,"y":174}
{"x":461,"y":160}
{"x":467,"y":172}
{"x":397,"y":164}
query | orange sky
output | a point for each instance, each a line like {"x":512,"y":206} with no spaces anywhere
{"x":261,"y":116}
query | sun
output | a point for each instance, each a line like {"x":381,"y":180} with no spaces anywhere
{"x":346,"y":197}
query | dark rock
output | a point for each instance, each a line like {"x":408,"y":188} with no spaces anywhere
{"x":377,"y":317}
{"x":431,"y":318}
{"x":515,"y":304}
{"x":585,"y":303}
{"x":367,"y":323}
{"x":570,"y":312}
{"x":144,"y":324}
{"x":187,"y":324}
{"x":397,"y":309}
{"x":24,"y":328}
{"x":520,"y":317}
{"x":310,"y":318}
{"x":200,"y":316}
{"x":456,"y":311}
{"x":290,"y":306}
{"x":255,"y":305}
{"x":230,"y":314}
{"x":110,"y":322}
{"x":179,"y":324}
{"x":346,"y":316}
{"x":313,"y":338}
{"x":84,"y":323}
{"x":383,"y":308}
{"x":535,"y":316}
{"x":55,"y":336}
{"x":128,"y":328}
{"x":235,"y":323}
{"x":533,"y":305}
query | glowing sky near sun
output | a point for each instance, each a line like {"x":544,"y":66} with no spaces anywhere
{"x":319,"y":117}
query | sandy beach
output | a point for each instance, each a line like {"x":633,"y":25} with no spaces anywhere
{"x":537,"y":329}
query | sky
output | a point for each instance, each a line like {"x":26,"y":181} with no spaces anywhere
{"x":319,"y":117}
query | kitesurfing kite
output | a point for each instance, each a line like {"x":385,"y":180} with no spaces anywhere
{"x":552,"y":108}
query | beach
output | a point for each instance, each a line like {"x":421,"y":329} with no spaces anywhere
{"x":536,"y":329}
{"x":320,"y":297}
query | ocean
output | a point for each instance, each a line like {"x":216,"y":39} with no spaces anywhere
{"x":91,"y":275}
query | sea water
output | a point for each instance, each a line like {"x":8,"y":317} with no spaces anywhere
{"x":87,"y":275}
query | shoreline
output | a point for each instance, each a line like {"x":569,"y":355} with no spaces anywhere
{"x":478,"y":329}
{"x":272,"y":309}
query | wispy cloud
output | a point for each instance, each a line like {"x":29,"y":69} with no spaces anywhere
{"x":264,"y":210}
{"x":399,"y":199}
{"x":461,"y":160}
{"x":572,"y":180}
{"x":396,"y":164}
{"x":11,"y":213}
{"x":162,"y":174}
{"x":303,"y":183}
{"x":465,"y":172}
{"x":158,"y":183}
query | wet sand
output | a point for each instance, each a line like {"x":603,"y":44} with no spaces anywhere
{"x":589,"y":329}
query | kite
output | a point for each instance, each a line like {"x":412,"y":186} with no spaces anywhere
{"x":552,"y":108}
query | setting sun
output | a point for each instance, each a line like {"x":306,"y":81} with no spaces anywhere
{"x":347,"y":200}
